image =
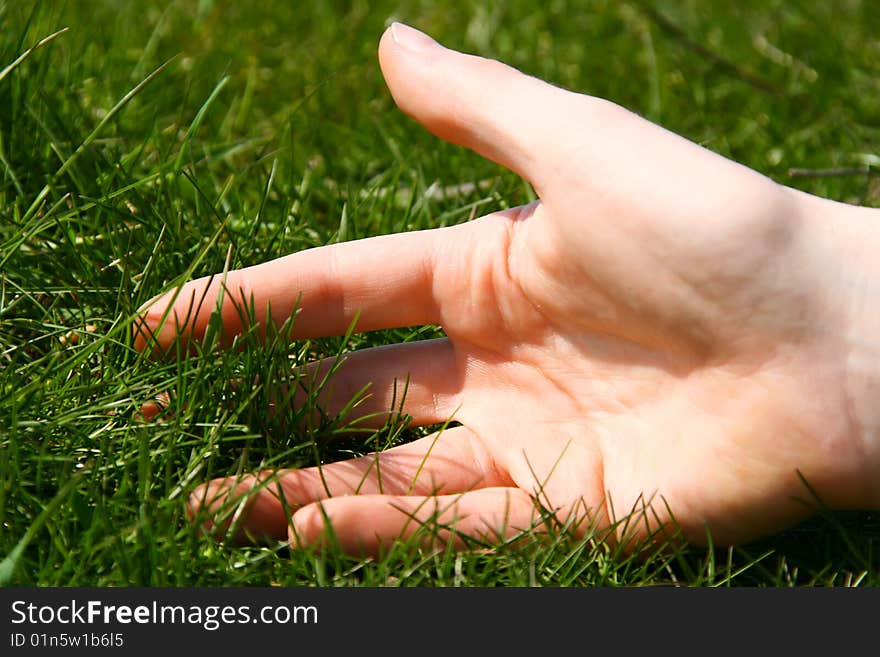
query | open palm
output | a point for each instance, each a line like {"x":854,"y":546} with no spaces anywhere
{"x":660,"y":332}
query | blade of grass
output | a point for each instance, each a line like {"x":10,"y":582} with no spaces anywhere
{"x":92,"y":136}
{"x":197,"y":122}
{"x":9,"y":565}
{"x":30,"y":51}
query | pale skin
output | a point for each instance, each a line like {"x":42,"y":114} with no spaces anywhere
{"x":664,"y":331}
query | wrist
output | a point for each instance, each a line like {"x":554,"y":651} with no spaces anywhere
{"x":849,"y":238}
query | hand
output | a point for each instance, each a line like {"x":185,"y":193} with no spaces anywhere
{"x":664,"y":331}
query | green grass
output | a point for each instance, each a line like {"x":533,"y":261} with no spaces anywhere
{"x":155,"y":141}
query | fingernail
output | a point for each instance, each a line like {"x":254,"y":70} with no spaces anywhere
{"x":149,"y":303}
{"x":411,"y":39}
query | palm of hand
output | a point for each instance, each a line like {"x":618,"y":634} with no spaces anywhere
{"x":680,"y":369}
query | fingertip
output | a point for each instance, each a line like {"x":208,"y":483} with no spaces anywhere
{"x":242,"y":510}
{"x":307,"y":527}
{"x":199,"y":508}
{"x":471,"y":101}
{"x":151,"y":328}
{"x":148,"y":412}
{"x":154,"y":408}
{"x":212,"y":499}
{"x":142,"y":332}
{"x":151,"y":302}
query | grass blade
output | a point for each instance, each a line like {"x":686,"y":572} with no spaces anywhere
{"x":30,"y":51}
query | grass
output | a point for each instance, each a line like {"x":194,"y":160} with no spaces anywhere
{"x":142,"y":143}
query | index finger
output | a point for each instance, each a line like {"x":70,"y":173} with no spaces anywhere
{"x":383,"y":282}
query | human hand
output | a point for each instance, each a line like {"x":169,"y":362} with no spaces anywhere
{"x":664,"y":331}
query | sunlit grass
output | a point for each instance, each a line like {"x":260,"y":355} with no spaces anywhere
{"x":145,"y":143}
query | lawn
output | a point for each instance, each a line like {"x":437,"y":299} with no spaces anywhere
{"x":144,"y":143}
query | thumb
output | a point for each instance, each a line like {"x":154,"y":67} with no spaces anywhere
{"x":489,"y":107}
